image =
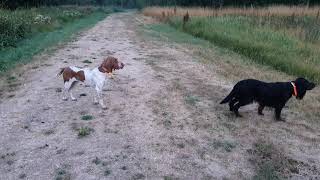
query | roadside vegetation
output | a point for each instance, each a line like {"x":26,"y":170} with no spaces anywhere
{"x":284,"y":38}
{"x":26,"y":32}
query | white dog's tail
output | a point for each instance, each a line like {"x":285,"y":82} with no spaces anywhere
{"x":61,"y":72}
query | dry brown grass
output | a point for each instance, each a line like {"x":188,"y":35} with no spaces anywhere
{"x":267,"y":11}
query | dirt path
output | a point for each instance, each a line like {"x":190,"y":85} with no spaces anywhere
{"x":163,"y":118}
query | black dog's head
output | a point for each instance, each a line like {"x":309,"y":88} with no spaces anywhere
{"x":303,"y":86}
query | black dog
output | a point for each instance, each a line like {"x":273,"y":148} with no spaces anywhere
{"x":266,"y":94}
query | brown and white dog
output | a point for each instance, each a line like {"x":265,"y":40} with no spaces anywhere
{"x":94,"y":78}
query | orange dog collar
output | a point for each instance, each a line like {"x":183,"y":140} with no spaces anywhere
{"x":295,"y":92}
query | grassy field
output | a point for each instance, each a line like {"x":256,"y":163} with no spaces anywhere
{"x":287,"y":39}
{"x":28,"y":32}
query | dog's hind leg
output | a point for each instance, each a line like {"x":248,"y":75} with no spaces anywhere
{"x":65,"y":94}
{"x":260,"y":109}
{"x":242,"y":102}
{"x":95,"y":100}
{"x":236,"y":109}
{"x":67,"y":88}
{"x":231,"y":104}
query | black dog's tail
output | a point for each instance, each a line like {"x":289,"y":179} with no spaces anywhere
{"x":228,"y":98}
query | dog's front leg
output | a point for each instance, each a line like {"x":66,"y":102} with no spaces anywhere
{"x":260,"y":109}
{"x":99,"y":94}
{"x":95,"y":99}
{"x":278,"y":113}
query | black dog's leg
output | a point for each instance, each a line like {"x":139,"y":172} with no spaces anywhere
{"x":236,"y":109}
{"x":260,"y":109}
{"x":278,"y":113}
{"x":231,"y":104}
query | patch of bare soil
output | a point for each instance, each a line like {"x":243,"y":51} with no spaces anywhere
{"x":163,"y":119}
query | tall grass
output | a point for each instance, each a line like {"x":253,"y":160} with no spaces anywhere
{"x":263,"y":11}
{"x":269,"y":40}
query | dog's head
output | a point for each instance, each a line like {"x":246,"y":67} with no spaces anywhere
{"x":303,"y":86}
{"x":110,"y":64}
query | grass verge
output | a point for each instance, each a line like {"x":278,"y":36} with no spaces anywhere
{"x":261,"y":44}
{"x":286,"y":39}
{"x":27,"y":48}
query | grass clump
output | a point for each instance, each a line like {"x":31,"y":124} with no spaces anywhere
{"x":96,"y":161}
{"x":86,"y":61}
{"x":271,"y":162}
{"x":191,"y":100}
{"x":84,"y":131}
{"x":87,"y":117}
{"x":62,"y":174}
{"x":107,"y":172}
{"x":226,"y":145}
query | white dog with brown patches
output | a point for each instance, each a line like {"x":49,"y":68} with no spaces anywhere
{"x":94,"y":78}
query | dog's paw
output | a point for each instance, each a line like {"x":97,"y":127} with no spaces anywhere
{"x":74,"y":99}
{"x":95,"y":102}
{"x":104,"y":107}
{"x":281,"y":119}
{"x":65,"y":99}
{"x":260,"y":113}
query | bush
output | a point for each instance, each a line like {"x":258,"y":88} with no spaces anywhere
{"x":13,"y":27}
{"x":18,"y":24}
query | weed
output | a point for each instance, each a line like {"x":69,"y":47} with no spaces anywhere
{"x":84,"y":131}
{"x":11,"y":79}
{"x":138,"y":176}
{"x":62,"y":174}
{"x":226,"y":145}
{"x":96,"y":161}
{"x":87,"y":117}
{"x":168,"y":178}
{"x":191,"y":100}
{"x":266,"y":172}
{"x":107,"y":172}
{"x":22,"y":176}
{"x":271,"y":162}
{"x":48,"y":132}
{"x":87,"y":62}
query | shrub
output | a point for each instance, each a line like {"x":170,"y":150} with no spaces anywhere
{"x":17,"y":25}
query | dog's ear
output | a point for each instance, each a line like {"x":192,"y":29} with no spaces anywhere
{"x":311,"y":86}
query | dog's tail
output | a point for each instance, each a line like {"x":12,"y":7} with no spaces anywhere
{"x":229,"y":97}
{"x":61,"y":72}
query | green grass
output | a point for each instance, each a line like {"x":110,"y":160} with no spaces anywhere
{"x":26,"y":48}
{"x":87,"y":117}
{"x":266,"y":172}
{"x":226,"y":145}
{"x":86,"y":61}
{"x":191,"y":100}
{"x":84,"y":131}
{"x":261,"y":44}
{"x":107,"y":172}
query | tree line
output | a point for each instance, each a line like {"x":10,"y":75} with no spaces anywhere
{"x":13,"y":4}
